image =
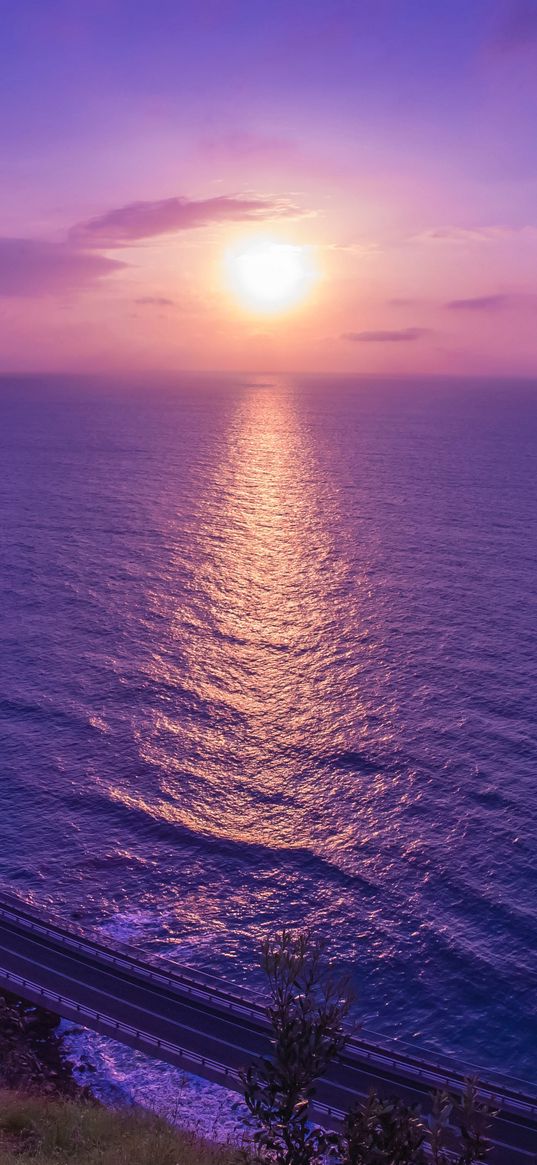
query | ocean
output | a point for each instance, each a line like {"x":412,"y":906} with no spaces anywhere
{"x":268,"y":657}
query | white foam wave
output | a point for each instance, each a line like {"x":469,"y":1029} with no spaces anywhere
{"x":120,"y":1076}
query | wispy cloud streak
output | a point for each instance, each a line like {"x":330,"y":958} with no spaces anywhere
{"x":33,"y":267}
{"x":154,"y":301}
{"x":400,"y":336}
{"x":492,"y":303}
{"x":468,"y":235}
{"x":145,"y":220}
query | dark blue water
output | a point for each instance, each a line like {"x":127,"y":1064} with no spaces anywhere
{"x":268,"y":656}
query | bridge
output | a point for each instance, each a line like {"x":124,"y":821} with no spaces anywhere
{"x":209,"y":1028}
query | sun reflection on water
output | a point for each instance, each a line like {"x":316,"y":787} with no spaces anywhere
{"x":271,"y":696}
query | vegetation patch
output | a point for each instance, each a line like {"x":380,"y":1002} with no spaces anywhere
{"x":37,"y":1130}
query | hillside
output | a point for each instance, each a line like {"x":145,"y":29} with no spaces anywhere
{"x":36,"y":1130}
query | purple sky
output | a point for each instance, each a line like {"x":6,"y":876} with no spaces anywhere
{"x":395,"y":140}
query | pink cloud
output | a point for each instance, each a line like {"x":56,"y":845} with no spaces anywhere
{"x":404,"y":335}
{"x":144,"y":220}
{"x":154,"y":301}
{"x":492,"y":303}
{"x":33,"y":267}
{"x":464,"y":235}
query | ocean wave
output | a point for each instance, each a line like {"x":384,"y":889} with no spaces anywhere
{"x":268,"y":658}
{"x":122,"y":1077}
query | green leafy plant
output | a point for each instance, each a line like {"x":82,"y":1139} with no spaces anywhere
{"x":459,"y":1126}
{"x":389,"y":1132}
{"x":307,"y":1010}
{"x":383,"y":1132}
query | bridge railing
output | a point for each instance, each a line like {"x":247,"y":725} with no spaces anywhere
{"x":253,"y":1011}
{"x":228,"y":1076}
{"x":165,"y":1049}
{"x":434,"y":1075}
{"x":62,"y":1004}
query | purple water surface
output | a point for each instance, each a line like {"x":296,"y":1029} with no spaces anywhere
{"x":268,"y":656}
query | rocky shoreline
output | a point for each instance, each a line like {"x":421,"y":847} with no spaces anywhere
{"x":41,"y":1055}
{"x":31,"y":1050}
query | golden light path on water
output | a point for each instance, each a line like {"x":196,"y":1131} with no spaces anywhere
{"x":260,"y":646}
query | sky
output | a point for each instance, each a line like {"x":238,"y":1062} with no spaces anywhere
{"x":391,"y":145}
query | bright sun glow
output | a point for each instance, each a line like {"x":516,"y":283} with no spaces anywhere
{"x":268,"y":276}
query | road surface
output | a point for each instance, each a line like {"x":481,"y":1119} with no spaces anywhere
{"x":213,"y":1030}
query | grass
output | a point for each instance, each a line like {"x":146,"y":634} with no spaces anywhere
{"x":40,"y":1131}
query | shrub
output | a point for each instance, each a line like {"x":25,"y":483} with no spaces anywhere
{"x":307,"y":1010}
{"x":383,"y":1132}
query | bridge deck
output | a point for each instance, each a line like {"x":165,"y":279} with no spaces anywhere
{"x":206,"y":1027}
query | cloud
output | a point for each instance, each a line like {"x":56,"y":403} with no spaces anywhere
{"x":404,"y":335}
{"x":465,"y":235}
{"x":145,"y":220}
{"x":491,"y":303}
{"x":480,"y":303}
{"x":33,"y":267}
{"x":457,"y":235}
{"x":154,"y":301}
{"x":355,"y":248}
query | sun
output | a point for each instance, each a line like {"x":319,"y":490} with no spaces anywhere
{"x":268,"y":276}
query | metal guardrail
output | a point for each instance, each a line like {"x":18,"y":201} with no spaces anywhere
{"x":65,"y":932}
{"x":117,"y":1026}
{"x":357,"y":1050}
{"x":201,"y":1065}
{"x":229,"y":1075}
{"x":238,"y":1003}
